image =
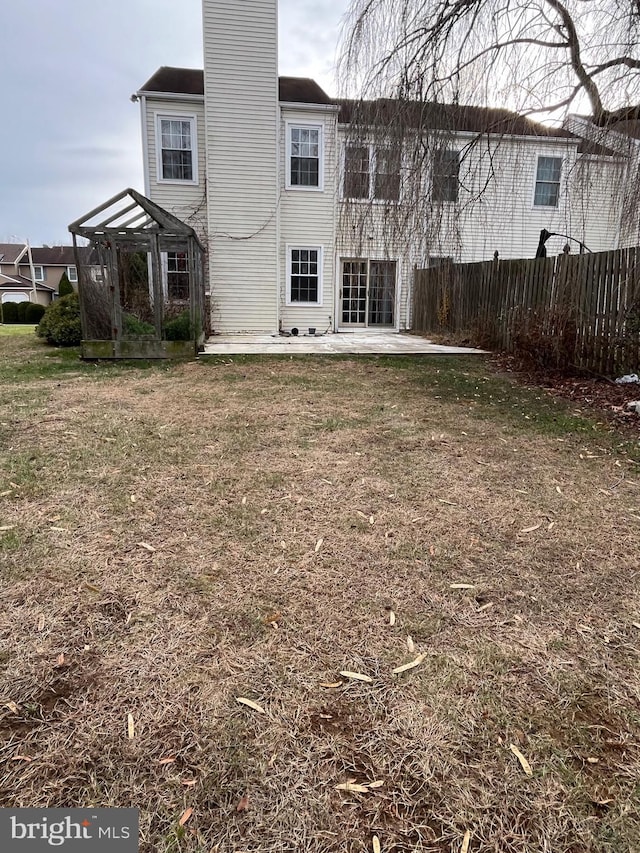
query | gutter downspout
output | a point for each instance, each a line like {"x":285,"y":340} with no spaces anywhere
{"x":33,"y":273}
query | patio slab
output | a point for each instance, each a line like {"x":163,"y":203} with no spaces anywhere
{"x":341,"y":343}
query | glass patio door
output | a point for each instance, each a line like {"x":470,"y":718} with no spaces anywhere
{"x":368,"y":293}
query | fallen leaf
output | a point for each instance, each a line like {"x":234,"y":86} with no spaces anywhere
{"x":356,"y":676}
{"x":411,"y":665}
{"x":592,"y":760}
{"x":243,"y":805}
{"x":21,"y":758}
{"x":186,"y":814}
{"x":377,"y":784}
{"x":244,"y":501}
{"x":272,"y":617}
{"x":133,"y":499}
{"x":485,"y":606}
{"x":331,"y":684}
{"x":130,"y":726}
{"x":168,"y":760}
{"x":352,"y":787}
{"x":318,"y":545}
{"x":12,"y":707}
{"x":532,"y":528}
{"x":40,"y":625}
{"x":551,"y":525}
{"x":558,"y":490}
{"x":462,"y":586}
{"x":523,"y":761}
{"x":636,"y":625}
{"x":253,"y":705}
{"x":146,"y":546}
{"x":465,"y":842}
{"x":410,"y":644}
{"x":60,"y":659}
{"x":372,"y":520}
{"x":392,"y":618}
{"x":375,"y":843}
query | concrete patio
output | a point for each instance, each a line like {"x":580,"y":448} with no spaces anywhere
{"x":342,"y":343}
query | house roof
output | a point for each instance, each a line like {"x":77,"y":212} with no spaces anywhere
{"x":51,"y":256}
{"x":190,"y":81}
{"x":21,"y":282}
{"x":10,"y":252}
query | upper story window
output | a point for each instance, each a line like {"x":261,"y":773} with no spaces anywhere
{"x":176,"y":146}
{"x":446,"y":172}
{"x":547,"y":192}
{"x":72,"y":274}
{"x":304,"y":156}
{"x":371,"y":172}
{"x":38,"y":272}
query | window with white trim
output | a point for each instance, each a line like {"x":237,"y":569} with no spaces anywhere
{"x":371,"y":172}
{"x":548,"y":171}
{"x":72,"y":274}
{"x":38,"y":272}
{"x":177,"y":275}
{"x":304,"y":169}
{"x":304,"y":284}
{"x":176,"y":146}
{"x":445,"y":175}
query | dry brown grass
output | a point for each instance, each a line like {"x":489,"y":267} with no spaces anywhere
{"x":233,"y":473}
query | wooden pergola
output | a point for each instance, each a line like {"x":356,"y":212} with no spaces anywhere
{"x":140,"y":281}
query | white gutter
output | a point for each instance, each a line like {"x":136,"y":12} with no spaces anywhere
{"x":33,"y":273}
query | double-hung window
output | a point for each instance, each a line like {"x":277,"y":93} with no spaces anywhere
{"x":304,"y":284}
{"x":445,"y":175}
{"x":72,"y":274}
{"x":304,"y":144}
{"x":38,"y":272}
{"x":177,"y":275}
{"x":371,"y":172}
{"x":547,"y":193}
{"x":176,"y":142}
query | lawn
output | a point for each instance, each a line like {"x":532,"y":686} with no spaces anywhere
{"x":176,"y":538}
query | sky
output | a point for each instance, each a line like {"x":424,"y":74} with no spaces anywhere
{"x":70,"y":136}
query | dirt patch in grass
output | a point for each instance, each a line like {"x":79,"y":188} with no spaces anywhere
{"x":177,"y":538}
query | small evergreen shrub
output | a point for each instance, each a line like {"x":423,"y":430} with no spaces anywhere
{"x":34,"y":313}
{"x":135,"y":327}
{"x":60,"y":324}
{"x":65,"y":287}
{"x":178,"y":329}
{"x":22,"y":311}
{"x":9,"y":312}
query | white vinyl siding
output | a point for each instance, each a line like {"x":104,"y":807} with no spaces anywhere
{"x":308,"y":219}
{"x":184,"y":199}
{"x":241,"y":86}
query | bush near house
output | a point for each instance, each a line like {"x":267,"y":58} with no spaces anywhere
{"x":179,"y":329}
{"x":34,"y":312}
{"x":65,"y":287}
{"x":60,"y":324}
{"x":22,"y":311}
{"x":9,"y":312}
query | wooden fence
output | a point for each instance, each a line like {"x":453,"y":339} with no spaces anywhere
{"x":570,"y":310}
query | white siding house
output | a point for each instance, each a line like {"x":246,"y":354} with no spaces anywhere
{"x":306,"y":228}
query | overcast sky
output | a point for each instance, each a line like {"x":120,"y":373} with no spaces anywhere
{"x":70,"y":137}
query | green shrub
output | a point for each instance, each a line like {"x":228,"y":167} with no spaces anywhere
{"x":135,"y":327}
{"x":22,"y":311}
{"x":178,"y":329}
{"x":60,"y":324}
{"x":34,"y":313}
{"x":9,"y":312}
{"x":65,"y":287}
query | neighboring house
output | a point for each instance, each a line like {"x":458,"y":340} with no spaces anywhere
{"x":16,"y":284}
{"x":310,"y":225}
